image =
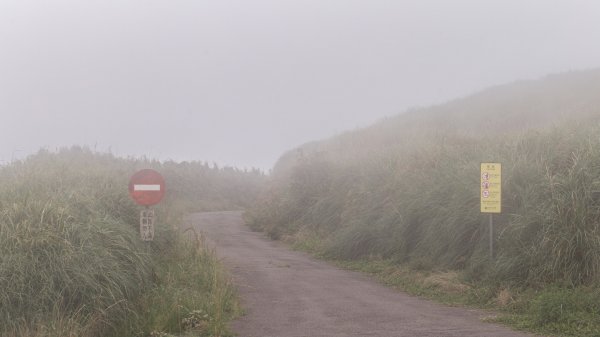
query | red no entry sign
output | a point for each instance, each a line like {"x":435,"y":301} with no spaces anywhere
{"x":147,"y":187}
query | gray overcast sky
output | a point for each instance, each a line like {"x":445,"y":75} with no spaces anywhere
{"x":240,"y":82}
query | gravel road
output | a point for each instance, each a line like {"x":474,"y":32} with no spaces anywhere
{"x":289,"y":294}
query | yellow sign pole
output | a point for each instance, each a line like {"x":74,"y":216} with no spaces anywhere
{"x":491,"y":195}
{"x":491,"y":228}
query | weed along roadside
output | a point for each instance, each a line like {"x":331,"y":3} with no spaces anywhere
{"x":542,"y":294}
{"x":400,"y":200}
{"x":535,"y":269}
{"x":73,"y":262}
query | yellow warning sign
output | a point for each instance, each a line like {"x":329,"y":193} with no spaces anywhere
{"x":491,"y":188}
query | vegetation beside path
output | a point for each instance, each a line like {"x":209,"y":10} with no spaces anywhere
{"x":400,"y":199}
{"x":72,"y":264}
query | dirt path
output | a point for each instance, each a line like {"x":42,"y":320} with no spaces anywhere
{"x":289,"y":294}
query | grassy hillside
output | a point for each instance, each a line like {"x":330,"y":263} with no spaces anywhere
{"x":406,"y":190}
{"x":72,"y":264}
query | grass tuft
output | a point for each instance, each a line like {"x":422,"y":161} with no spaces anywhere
{"x":72,"y":264}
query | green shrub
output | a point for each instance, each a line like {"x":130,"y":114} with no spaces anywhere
{"x":407,"y":188}
{"x":72,"y":264}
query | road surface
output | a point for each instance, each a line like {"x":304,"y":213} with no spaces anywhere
{"x":289,"y":294}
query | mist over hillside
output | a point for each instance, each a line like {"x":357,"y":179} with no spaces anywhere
{"x":507,"y":109}
{"x":407,"y":188}
{"x":72,"y":262}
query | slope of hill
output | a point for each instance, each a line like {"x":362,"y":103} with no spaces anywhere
{"x":72,"y":264}
{"x":498,"y":111}
{"x":405,"y":191}
{"x":407,"y":187}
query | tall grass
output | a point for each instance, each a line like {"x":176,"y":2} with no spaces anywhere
{"x":72,"y":264}
{"x":407,"y":189}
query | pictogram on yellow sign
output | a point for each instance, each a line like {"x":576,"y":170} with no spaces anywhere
{"x":491,"y":188}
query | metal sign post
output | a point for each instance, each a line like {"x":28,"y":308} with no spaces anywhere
{"x":492,"y":236}
{"x":491,"y":195}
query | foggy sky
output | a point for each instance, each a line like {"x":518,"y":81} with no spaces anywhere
{"x":240,"y":82}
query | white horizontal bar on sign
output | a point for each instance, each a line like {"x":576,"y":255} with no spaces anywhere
{"x":146,"y":187}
